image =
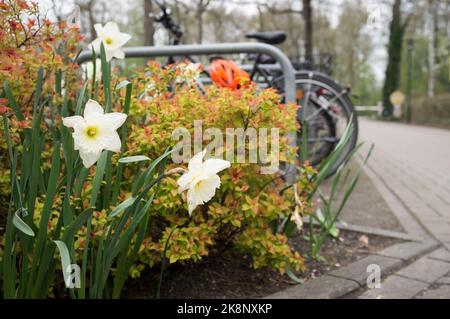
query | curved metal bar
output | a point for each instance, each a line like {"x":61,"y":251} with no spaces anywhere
{"x":216,"y":48}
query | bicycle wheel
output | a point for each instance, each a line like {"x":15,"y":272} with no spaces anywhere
{"x":326,"y":111}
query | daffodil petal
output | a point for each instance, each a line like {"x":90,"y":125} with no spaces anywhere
{"x":206,"y":188}
{"x":111,"y":27}
{"x":96,"y":45}
{"x":118,"y":53}
{"x":115,"y":144}
{"x":78,"y":129}
{"x":123,"y":38}
{"x":98,"y":29}
{"x":215,"y":165}
{"x":90,"y":158}
{"x":201,"y":192}
{"x":71,"y":121}
{"x":109,"y":54}
{"x":92,"y":109}
{"x":116,"y":119}
{"x":196,"y":161}
{"x":192,"y":201}
{"x":184,"y":181}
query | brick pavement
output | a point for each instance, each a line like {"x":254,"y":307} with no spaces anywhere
{"x":410,"y":166}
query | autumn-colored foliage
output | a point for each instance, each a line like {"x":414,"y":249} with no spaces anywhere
{"x":248,"y":202}
{"x":29,"y":41}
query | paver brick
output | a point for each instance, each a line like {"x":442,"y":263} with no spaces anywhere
{"x":395,"y":287}
{"x":438,"y":227}
{"x":324,"y":287}
{"x":441,"y":292}
{"x":426,"y":269}
{"x":444,"y":281}
{"x":407,"y":250}
{"x":441,"y":254}
{"x":358,"y":270}
{"x":445,"y":238}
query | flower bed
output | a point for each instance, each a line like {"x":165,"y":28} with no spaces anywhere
{"x":230,"y":275}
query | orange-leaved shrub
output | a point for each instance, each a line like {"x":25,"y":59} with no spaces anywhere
{"x":29,"y":42}
{"x":247,"y":205}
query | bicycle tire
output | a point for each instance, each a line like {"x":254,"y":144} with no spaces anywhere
{"x":349,"y":112}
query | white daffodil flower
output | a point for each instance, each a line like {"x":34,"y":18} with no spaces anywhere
{"x":112,"y":39}
{"x":201,"y":180}
{"x":95,"y":132}
{"x":88,"y":69}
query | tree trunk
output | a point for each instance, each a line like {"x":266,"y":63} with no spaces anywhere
{"x":87,"y":8}
{"x":200,"y":26}
{"x":307,"y":16}
{"x":149,"y":29}
{"x":392,"y":75}
{"x":431,"y":46}
{"x":92,"y":20}
{"x":261,"y":26}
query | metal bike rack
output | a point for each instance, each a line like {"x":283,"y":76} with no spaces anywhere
{"x":217,"y":48}
{"x":220,"y":48}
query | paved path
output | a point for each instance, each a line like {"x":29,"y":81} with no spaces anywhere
{"x":410,"y":166}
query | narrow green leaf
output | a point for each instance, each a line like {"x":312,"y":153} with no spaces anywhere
{"x":319,"y":215}
{"x":122,"y":206}
{"x":38,"y":90}
{"x":122,"y":84}
{"x":80,"y":99}
{"x":45,"y":215}
{"x":9,"y":260}
{"x":334,"y":232}
{"x":58,"y":82}
{"x":98,"y":178}
{"x":293,"y":276}
{"x":132,"y":159}
{"x":12,"y":102}
{"x":20,"y":224}
{"x":123,"y":136}
{"x":76,"y":224}
{"x":65,"y":258}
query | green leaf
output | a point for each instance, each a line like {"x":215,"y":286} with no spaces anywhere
{"x":333,"y":231}
{"x":148,"y":174}
{"x":132,"y":159}
{"x":20,"y":224}
{"x":291,"y":229}
{"x":98,"y":178}
{"x":39,"y":84}
{"x":76,"y":224}
{"x":80,"y":99}
{"x":122,"y":206}
{"x":65,"y":258}
{"x":319,"y":215}
{"x":122,"y":84}
{"x":293,"y":276}
{"x":12,"y":102}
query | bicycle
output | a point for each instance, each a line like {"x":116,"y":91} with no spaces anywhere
{"x":326,"y":108}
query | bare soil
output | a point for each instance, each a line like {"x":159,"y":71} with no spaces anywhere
{"x":230,"y":275}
